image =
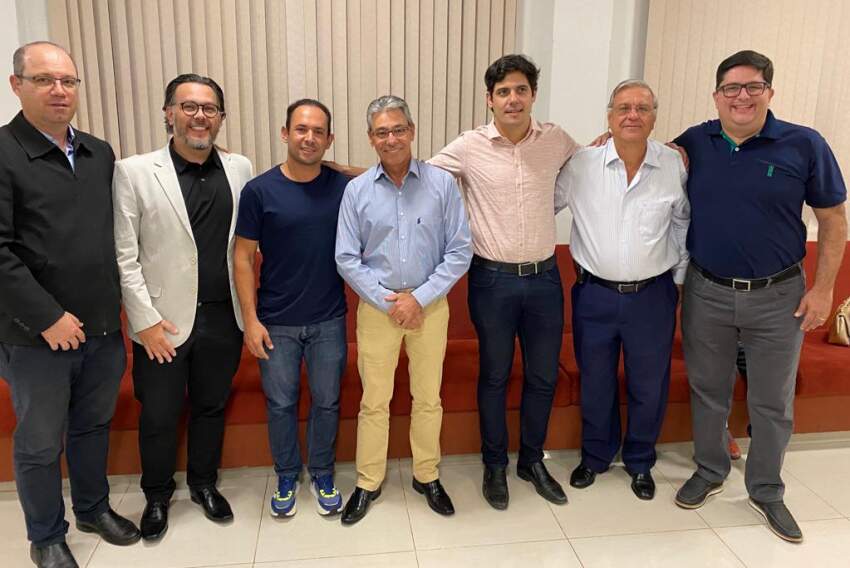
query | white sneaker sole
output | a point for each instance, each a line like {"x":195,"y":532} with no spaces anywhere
{"x":292,"y":511}
{"x":321,"y":510}
{"x":758,"y":510}
{"x":714,"y":491}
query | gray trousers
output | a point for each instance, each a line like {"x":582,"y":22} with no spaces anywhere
{"x":714,"y":319}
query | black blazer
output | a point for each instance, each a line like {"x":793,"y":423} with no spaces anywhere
{"x":57,"y":248}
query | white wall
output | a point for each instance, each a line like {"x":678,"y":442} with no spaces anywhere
{"x":8,"y":43}
{"x":584,"y":48}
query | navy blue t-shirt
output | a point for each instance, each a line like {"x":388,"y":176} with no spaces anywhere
{"x":295,"y":225}
{"x":747,"y":200}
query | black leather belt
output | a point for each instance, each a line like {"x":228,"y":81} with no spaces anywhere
{"x":621,"y":287}
{"x":747,"y":284}
{"x":518,"y":268}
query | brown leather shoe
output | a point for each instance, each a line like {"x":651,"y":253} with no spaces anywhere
{"x":734,"y":448}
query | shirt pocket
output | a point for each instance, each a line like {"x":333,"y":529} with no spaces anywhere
{"x":653,"y":221}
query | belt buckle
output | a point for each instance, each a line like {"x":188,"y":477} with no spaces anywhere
{"x":745,"y":285}
{"x":627,"y":288}
{"x":521,"y":272}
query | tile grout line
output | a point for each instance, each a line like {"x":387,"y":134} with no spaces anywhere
{"x":728,"y":547}
{"x":260,"y":523}
{"x":563,"y":532}
{"x":407,"y":509}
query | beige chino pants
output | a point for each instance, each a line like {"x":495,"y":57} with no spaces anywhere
{"x":379,"y":340}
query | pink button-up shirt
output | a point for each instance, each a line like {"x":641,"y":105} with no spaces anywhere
{"x":509,"y":188}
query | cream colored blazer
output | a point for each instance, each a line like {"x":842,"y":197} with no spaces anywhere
{"x":157,"y":256}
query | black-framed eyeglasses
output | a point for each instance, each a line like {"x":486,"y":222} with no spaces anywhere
{"x":190,"y":108}
{"x":398,"y":132}
{"x":47,"y":81}
{"x":754,"y":89}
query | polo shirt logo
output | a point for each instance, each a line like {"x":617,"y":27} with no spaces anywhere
{"x":770,"y":170}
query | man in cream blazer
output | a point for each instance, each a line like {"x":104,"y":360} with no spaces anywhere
{"x":175,"y":211}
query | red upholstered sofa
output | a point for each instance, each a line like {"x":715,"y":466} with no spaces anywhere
{"x":823,"y":391}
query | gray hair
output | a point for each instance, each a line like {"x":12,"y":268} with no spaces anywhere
{"x":18,"y":58}
{"x":385,"y":103}
{"x":629,"y":84}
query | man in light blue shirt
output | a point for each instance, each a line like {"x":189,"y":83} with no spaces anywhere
{"x":402,"y":242}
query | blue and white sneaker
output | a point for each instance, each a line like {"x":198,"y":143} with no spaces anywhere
{"x":328,"y":497}
{"x":283,"y":500}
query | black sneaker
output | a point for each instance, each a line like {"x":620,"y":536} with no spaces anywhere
{"x":779,"y":520}
{"x":695,"y":491}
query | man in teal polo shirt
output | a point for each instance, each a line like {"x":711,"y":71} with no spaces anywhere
{"x":750,"y":174}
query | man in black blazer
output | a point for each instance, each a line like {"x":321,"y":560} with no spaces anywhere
{"x":61,"y":348}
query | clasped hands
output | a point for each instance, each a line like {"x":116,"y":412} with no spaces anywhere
{"x":405,"y":310}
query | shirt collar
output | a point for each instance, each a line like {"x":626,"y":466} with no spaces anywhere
{"x":771,"y":128}
{"x":651,"y":159}
{"x":34,"y":142}
{"x":493,"y":132}
{"x":413,"y":168}
{"x":181,"y":164}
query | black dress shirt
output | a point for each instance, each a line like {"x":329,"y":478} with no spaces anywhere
{"x":209,"y":203}
{"x":57,"y":247}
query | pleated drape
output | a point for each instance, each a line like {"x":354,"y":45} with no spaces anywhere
{"x":268,"y":53}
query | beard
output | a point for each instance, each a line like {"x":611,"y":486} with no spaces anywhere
{"x":182,"y":132}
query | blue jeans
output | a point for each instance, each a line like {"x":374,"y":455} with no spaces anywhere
{"x":503,"y":306}
{"x":62,"y":400}
{"x":323,"y":348}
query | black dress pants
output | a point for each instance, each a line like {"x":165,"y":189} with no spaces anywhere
{"x":203,"y":369}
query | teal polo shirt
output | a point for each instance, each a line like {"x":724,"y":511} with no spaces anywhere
{"x":747,"y":200}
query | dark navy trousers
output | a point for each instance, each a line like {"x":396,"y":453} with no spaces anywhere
{"x":641,"y":325}
{"x":503,"y":307}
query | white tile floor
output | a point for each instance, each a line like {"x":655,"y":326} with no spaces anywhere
{"x":604,"y":525}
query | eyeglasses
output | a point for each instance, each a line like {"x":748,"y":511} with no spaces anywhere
{"x":47,"y":82}
{"x":398,"y":132}
{"x":641,"y":110}
{"x":190,"y":108}
{"x":754,"y":89}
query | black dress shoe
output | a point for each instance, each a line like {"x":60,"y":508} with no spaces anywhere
{"x":544,"y":483}
{"x":53,"y":556}
{"x":154,"y":519}
{"x":643,"y":486}
{"x":582,"y":476}
{"x":112,"y":527}
{"x":358,"y":505}
{"x":216,"y":508}
{"x":495,"y":487}
{"x":437,"y":498}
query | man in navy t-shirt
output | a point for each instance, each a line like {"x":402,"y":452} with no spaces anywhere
{"x":290,"y":213}
{"x":750,"y":175}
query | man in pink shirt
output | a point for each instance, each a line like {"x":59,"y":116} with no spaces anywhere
{"x":507,"y":171}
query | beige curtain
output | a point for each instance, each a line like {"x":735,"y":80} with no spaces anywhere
{"x":807,"y":40}
{"x":268,"y":53}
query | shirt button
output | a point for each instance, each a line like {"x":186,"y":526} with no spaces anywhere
{"x":737,"y":149}
{"x":404,"y":283}
{"x":402,"y":237}
{"x":401,"y":213}
{"x":404,"y":260}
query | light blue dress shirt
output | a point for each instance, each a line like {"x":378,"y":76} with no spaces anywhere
{"x":395,"y":238}
{"x":69,"y":145}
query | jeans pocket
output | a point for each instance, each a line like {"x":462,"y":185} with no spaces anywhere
{"x":482,"y":277}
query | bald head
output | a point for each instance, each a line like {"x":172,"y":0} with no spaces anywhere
{"x":46,"y":82}
{"x":19,"y":58}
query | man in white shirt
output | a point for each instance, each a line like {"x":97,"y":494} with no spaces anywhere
{"x":630,"y":220}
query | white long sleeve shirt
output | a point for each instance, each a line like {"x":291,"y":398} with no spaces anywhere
{"x":626,"y":231}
